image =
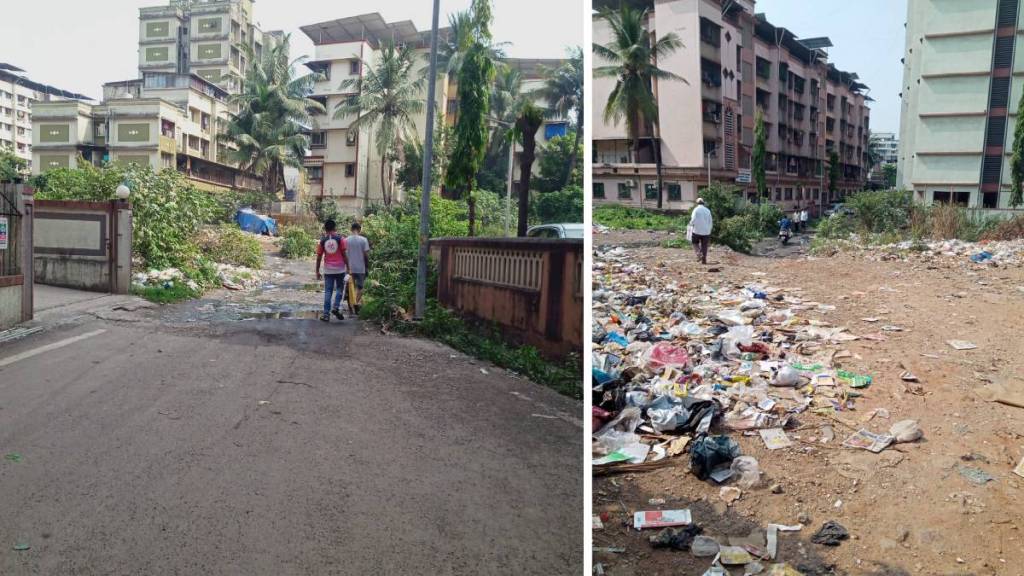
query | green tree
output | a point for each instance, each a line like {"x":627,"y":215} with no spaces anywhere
{"x":757,"y":162}
{"x":266,"y":134}
{"x":530,"y":120}
{"x":833,"y":172}
{"x":452,"y":47}
{"x":410,"y":173}
{"x":505,"y":100}
{"x":476,"y":73}
{"x":390,"y":96}
{"x":631,"y":57}
{"x":12,"y":168}
{"x":889,"y":175}
{"x":552,"y":159}
{"x":1017,"y":160}
{"x":563,"y":91}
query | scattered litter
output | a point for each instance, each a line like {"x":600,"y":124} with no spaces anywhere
{"x":676,"y":538}
{"x":22,"y":547}
{"x":595,"y":523}
{"x":729,"y":494}
{"x":732,"y":555}
{"x":656,"y":501}
{"x":1019,"y":470}
{"x":961,"y":344}
{"x":998,"y":393}
{"x":749,"y":471}
{"x":634,"y":453}
{"x":262,"y":402}
{"x":721,"y":474}
{"x":661,"y":518}
{"x":867,"y":440}
{"x":906,"y":431}
{"x":704,"y":546}
{"x":608,"y":549}
{"x":830,"y":534}
{"x":775,"y":438}
{"x":827,"y":434}
{"x":484,"y":371}
{"x":710,"y":452}
{"x":13,"y":457}
{"x":974,"y":475}
{"x":854,"y":380}
{"x":906,"y":376}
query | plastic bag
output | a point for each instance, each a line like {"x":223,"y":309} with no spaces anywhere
{"x":747,"y":469}
{"x":619,"y":432}
{"x":665,"y":355}
{"x":786,"y":376}
{"x":733,"y":318}
{"x":710,"y":452}
{"x":734,"y":337}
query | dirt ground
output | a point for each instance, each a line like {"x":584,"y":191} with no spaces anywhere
{"x":908,"y":509}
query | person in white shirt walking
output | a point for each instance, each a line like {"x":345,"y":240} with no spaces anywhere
{"x":803,"y":219}
{"x":796,"y":220}
{"x":700,"y":230}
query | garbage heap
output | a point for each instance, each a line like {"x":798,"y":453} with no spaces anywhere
{"x":678,"y":370}
{"x":994,"y":253}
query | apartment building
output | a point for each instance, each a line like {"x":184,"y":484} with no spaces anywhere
{"x":962,"y":83}
{"x":344,"y":164}
{"x":163,"y":120}
{"x":887,"y":144}
{"x":202,"y":37}
{"x":17,"y":95}
{"x":733,"y":61}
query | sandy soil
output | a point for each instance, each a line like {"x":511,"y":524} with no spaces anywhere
{"x":908,"y":509}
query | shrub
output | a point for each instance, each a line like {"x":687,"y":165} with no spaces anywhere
{"x":1006,"y":229}
{"x":737,"y":232}
{"x":625,"y":218}
{"x":167,"y":210}
{"x":881,"y":210}
{"x":296,"y":242}
{"x":835,"y":227}
{"x":228,"y":244}
{"x":562,"y":206}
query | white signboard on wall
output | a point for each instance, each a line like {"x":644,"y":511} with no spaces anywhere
{"x":743,"y":176}
{"x":3,"y":232}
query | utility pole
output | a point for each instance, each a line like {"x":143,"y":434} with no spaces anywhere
{"x":428,"y":165}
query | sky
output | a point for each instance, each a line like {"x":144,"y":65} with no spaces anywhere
{"x":868,"y":36}
{"x":84,"y":44}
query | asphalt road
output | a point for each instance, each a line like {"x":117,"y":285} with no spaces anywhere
{"x":278,"y":447}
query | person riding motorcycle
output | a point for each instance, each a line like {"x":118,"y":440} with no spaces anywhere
{"x":785,"y":229}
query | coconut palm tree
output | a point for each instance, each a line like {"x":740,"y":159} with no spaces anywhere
{"x":563,"y":91}
{"x":274,"y":110}
{"x":631,"y":58}
{"x":460,"y":34}
{"x":390,"y":96}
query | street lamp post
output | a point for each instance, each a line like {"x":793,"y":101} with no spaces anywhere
{"x":508,"y":191}
{"x":428,"y":164}
{"x":708,"y":156}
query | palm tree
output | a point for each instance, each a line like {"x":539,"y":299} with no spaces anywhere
{"x":390,"y":96}
{"x":632,"y":57}
{"x":274,"y":111}
{"x":460,"y":34}
{"x":528,"y":121}
{"x":563,"y":91}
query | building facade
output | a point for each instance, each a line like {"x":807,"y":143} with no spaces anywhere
{"x":888,"y":147}
{"x":163,"y":120}
{"x":18,"y":93}
{"x":961,"y":88}
{"x":207,"y":38}
{"x":344,"y":165}
{"x":733,"y":61}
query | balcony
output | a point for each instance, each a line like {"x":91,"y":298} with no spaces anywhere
{"x":167,"y":144}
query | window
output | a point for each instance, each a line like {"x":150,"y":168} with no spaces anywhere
{"x":316,"y":173}
{"x":318,"y":140}
{"x":624,"y":191}
{"x":764,"y":68}
{"x":990,"y":200}
{"x":351,"y":136}
{"x":598,"y":189}
{"x":940,"y":197}
{"x":789,"y":193}
{"x":350,"y":170}
{"x":675,"y":192}
{"x":353,"y":68}
{"x":778,"y":194}
{"x":651,"y":191}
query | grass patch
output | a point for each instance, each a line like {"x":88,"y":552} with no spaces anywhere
{"x":296,"y":243}
{"x":228,"y":244}
{"x":625,"y":218}
{"x":178,"y":292}
{"x":488,"y":343}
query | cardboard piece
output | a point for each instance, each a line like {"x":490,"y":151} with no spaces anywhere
{"x":661,"y":518}
{"x":775,"y":438}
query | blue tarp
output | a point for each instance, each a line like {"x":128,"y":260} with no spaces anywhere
{"x":250,"y":221}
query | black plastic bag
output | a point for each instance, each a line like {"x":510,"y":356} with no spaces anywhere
{"x":710,"y":452}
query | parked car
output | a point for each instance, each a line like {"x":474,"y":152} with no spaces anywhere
{"x":839,"y":208}
{"x":554,"y":231}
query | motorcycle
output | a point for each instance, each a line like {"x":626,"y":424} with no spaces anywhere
{"x":784,"y":235}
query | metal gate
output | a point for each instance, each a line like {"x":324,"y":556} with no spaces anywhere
{"x":15,"y":254}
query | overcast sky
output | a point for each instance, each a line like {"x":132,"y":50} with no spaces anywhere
{"x":78,"y":45}
{"x":868,"y":37}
